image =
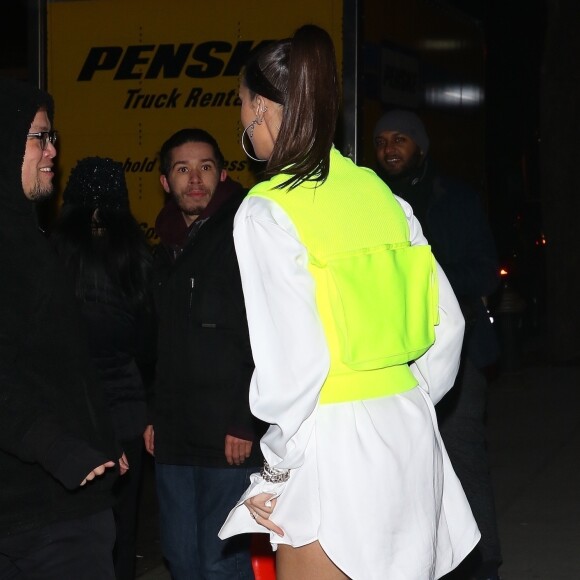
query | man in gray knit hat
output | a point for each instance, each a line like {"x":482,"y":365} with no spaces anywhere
{"x":454,"y":223}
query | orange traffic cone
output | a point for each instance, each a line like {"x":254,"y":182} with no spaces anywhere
{"x":263,"y":559}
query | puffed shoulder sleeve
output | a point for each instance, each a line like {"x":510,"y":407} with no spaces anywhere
{"x":437,"y":368}
{"x":286,"y":334}
{"x":288,"y":344}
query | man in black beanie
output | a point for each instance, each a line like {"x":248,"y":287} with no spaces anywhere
{"x":57,"y":452}
{"x":455,"y":225}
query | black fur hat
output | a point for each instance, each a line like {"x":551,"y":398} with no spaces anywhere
{"x":97,"y":182}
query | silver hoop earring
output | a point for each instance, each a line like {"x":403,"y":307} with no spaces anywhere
{"x":250,"y":134}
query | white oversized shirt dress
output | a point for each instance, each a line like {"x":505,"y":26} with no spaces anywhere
{"x":370,"y":480}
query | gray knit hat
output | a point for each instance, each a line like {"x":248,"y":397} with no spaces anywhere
{"x":405,"y":122}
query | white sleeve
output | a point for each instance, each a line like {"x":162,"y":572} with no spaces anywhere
{"x":437,"y":368}
{"x":288,"y":342}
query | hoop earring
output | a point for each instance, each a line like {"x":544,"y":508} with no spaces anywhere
{"x":250,"y":131}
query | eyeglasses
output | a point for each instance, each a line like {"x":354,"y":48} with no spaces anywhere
{"x":45,"y":137}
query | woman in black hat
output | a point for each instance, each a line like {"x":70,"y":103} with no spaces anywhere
{"x":104,"y":250}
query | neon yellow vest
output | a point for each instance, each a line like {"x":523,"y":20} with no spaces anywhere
{"x":373,"y":289}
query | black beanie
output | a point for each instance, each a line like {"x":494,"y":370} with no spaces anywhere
{"x":99,"y":183}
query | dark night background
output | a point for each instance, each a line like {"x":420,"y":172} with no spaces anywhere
{"x":531,"y":120}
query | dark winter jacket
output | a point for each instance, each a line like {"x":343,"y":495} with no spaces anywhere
{"x":122,"y":344}
{"x":204,"y":363}
{"x":54,"y":424}
{"x":455,"y":225}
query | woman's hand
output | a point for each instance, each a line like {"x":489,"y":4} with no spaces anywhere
{"x":261,"y":507}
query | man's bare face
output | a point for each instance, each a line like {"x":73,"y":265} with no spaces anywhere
{"x":192,"y":178}
{"x":37,"y":165}
{"x":397,"y":153}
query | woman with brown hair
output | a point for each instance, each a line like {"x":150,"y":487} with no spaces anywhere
{"x":355,"y":334}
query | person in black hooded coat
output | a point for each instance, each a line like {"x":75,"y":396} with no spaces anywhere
{"x":109,"y":262}
{"x":58,"y":456}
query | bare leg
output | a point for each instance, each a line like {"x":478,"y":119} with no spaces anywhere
{"x":308,"y":562}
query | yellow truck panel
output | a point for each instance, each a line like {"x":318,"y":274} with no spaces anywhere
{"x":126,"y":74}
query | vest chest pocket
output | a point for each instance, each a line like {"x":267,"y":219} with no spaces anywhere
{"x":384,"y":302}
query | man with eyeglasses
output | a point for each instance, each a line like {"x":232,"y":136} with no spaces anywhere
{"x":37,"y":171}
{"x":58,"y":457}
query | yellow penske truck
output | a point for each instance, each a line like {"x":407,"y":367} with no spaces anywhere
{"x":126,"y":74}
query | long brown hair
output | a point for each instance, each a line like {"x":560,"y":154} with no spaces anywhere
{"x":300,"y":74}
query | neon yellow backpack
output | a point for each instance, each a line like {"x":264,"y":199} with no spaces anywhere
{"x":377,"y":327}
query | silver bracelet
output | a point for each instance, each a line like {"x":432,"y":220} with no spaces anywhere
{"x":273,"y":475}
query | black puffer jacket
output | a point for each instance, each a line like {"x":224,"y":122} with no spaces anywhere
{"x":122,"y":344}
{"x":54,"y":425}
{"x":204,"y":363}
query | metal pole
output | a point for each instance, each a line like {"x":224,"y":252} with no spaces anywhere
{"x":350,"y":71}
{"x":37,"y":43}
